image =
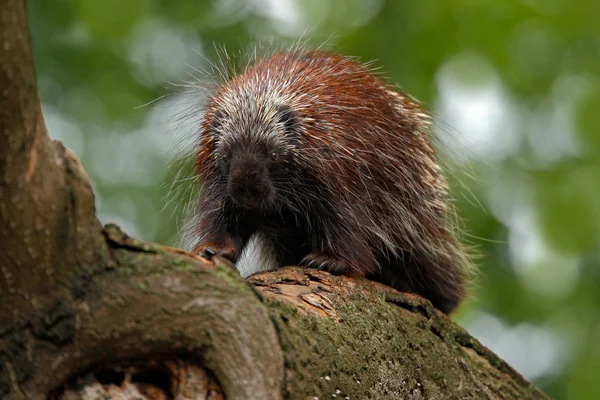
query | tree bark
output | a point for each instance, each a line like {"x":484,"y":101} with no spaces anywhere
{"x":86,"y":308}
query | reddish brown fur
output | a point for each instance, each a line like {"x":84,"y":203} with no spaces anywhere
{"x":363,"y":168}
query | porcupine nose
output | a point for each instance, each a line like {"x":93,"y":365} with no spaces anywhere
{"x":249,"y":185}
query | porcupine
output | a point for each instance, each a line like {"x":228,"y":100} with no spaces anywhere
{"x":320,"y":163}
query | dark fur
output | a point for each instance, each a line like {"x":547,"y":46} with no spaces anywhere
{"x":344,"y":180}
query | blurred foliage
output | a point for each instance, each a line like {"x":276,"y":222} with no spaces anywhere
{"x":514,"y":85}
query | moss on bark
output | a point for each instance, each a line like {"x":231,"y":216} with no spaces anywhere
{"x":343,"y":338}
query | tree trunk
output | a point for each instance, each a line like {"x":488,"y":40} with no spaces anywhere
{"x":88,"y":311}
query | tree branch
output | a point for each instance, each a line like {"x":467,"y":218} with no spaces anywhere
{"x":46,"y":201}
{"x":149,"y":302}
{"x":363,"y":340}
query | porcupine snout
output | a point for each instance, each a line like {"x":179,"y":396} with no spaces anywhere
{"x":249,"y":184}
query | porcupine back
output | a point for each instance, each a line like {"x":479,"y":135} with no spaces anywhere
{"x":368,"y":167}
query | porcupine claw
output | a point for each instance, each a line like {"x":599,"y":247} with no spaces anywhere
{"x":210,"y":252}
{"x":325,"y":262}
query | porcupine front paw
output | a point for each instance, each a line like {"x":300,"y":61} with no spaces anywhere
{"x":210,"y":250}
{"x":327,"y":263}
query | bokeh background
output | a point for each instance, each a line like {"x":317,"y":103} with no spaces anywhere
{"x":514,"y":86}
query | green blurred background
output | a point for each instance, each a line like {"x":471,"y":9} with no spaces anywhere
{"x":515,"y":88}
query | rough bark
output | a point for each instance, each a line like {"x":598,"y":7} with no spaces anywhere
{"x":83,"y":304}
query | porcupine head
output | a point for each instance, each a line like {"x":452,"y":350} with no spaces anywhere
{"x":306,"y":158}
